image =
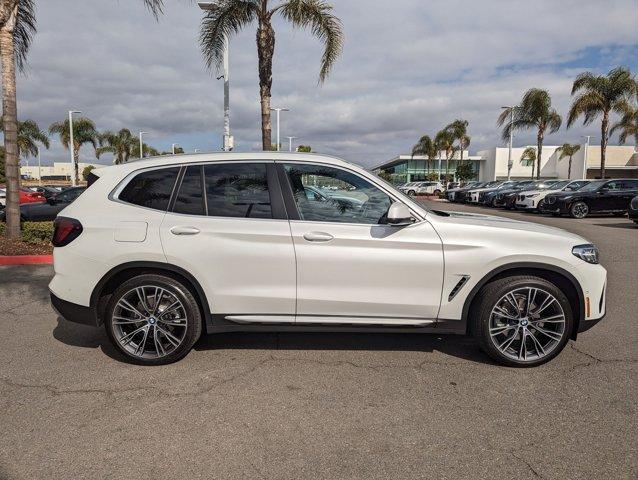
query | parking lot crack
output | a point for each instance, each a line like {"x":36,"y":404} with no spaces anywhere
{"x":529,"y":465}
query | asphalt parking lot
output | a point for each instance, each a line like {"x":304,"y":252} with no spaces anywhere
{"x":318,"y":405}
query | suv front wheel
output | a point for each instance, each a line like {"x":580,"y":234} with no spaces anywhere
{"x":153,"y":319}
{"x":522,"y":321}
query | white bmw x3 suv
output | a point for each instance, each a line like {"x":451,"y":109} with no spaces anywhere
{"x":160,"y":250}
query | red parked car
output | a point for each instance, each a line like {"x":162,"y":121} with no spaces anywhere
{"x":27,"y":196}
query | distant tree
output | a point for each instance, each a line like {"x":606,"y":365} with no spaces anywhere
{"x":385,"y":176}
{"x":304,"y":148}
{"x":120,"y":144}
{"x":528,"y":157}
{"x":464,"y":172}
{"x":627,"y":126}
{"x":84,"y":131}
{"x":146,"y":149}
{"x":444,"y":141}
{"x":29,"y":135}
{"x":86,"y":171}
{"x":227,"y":17}
{"x":599,"y":95}
{"x":568,"y":150}
{"x":459,"y":132}
{"x":534,"y":111}
{"x":425,"y":147}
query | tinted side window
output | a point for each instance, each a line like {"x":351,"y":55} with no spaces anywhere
{"x":237,"y":190}
{"x":189,"y":198}
{"x":616,"y":185}
{"x":630,"y":184}
{"x":151,"y":189}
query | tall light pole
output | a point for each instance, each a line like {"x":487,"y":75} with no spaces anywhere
{"x":173,"y":147}
{"x":585,"y":156}
{"x":74,"y":165}
{"x":509,"y":155}
{"x":279,"y":110}
{"x":290,"y":139}
{"x":142,"y":144}
{"x":228,"y":139}
{"x":39,"y":167}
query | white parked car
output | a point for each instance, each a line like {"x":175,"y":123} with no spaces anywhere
{"x":3,"y":196}
{"x":531,"y":199}
{"x":160,"y":250}
{"x":473,"y":195}
{"x":422,"y":188}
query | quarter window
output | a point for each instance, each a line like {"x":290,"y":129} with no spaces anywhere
{"x":237,"y":190}
{"x":343,"y":196}
{"x":630,"y":184}
{"x":151,"y":189}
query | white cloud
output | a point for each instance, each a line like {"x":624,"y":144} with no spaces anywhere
{"x":408,"y":68}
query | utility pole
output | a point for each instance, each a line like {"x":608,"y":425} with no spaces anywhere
{"x":39,"y":167}
{"x":290,"y":139}
{"x":173,"y":147}
{"x":509,"y":156}
{"x":279,"y":110}
{"x":74,"y":165}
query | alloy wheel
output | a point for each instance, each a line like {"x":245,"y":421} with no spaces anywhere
{"x":527,"y":324}
{"x":149,"y":322}
{"x":580,"y":210}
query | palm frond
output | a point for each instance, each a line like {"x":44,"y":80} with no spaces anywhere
{"x":224,"y":18}
{"x":155,"y":6}
{"x":588,"y":104}
{"x":25,"y":28}
{"x":317,"y":15}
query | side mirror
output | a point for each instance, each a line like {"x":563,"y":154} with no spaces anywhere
{"x":399,"y":215}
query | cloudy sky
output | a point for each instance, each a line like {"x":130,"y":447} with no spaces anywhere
{"x":408,"y":68}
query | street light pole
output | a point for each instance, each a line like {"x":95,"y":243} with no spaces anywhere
{"x":279,"y":110}
{"x":173,"y":147}
{"x":290,"y":139}
{"x":142,"y":144}
{"x":39,"y":167}
{"x":509,"y":155}
{"x":585,"y":156}
{"x":74,"y":165}
{"x":228,"y":139}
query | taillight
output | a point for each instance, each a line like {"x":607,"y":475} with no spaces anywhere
{"x":65,"y":230}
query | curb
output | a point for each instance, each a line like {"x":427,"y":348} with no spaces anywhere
{"x":26,"y":259}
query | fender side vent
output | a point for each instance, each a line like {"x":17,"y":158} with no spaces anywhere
{"x":458,"y":287}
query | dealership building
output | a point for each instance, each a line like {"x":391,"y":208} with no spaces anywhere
{"x":57,"y":171}
{"x":491,"y":164}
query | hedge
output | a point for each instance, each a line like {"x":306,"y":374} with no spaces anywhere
{"x":33,"y":232}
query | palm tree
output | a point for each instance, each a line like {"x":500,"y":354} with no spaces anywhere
{"x":568,"y":150}
{"x":17,"y":27}
{"x":459,"y":131}
{"x":225,"y":17}
{"x":83,"y":132}
{"x":534,"y":111}
{"x":628,"y":126}
{"x":146,"y":149}
{"x":444,"y":141}
{"x":120,"y":144}
{"x":29,"y":135}
{"x":600,"y":95}
{"x":425,"y":147}
{"x":529,"y":156}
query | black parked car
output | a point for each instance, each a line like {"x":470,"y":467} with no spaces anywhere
{"x":43,"y":211}
{"x":600,"y":196}
{"x":509,"y":202}
{"x":633,"y":210}
{"x":458,"y":194}
{"x":486,"y":197}
{"x":46,"y":190}
{"x":503,"y":195}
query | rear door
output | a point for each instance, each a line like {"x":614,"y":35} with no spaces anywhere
{"x":228,"y":227}
{"x":630,"y":190}
{"x":610,"y":199}
{"x":352,"y":268}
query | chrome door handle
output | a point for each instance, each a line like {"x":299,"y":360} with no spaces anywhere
{"x":318,"y":236}
{"x":184,"y":230}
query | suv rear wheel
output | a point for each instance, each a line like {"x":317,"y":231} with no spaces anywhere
{"x":579,"y":210}
{"x":153,"y":319}
{"x":522,"y":321}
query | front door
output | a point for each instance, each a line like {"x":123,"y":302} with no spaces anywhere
{"x":229,"y":229}
{"x":352,"y":268}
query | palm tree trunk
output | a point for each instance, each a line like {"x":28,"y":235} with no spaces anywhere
{"x":265,"y":51}
{"x":10,"y":124}
{"x":569,"y":168}
{"x":604,"y":137}
{"x":76,"y":159}
{"x":539,"y":155}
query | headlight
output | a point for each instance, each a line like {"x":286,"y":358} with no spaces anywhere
{"x":589,"y":253}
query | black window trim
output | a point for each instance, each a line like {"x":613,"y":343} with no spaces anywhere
{"x":114,"y":196}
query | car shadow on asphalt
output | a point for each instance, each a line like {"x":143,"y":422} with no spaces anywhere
{"x":628,"y":224}
{"x":452,"y":345}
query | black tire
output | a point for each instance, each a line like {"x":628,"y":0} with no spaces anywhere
{"x":437,"y":192}
{"x":579,"y":210}
{"x":492,"y":293}
{"x":411,"y":193}
{"x":192,"y":325}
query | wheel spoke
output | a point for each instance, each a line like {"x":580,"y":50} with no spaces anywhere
{"x":173,"y":306}
{"x":126,"y":339}
{"x":140,"y":348}
{"x":123,"y":303}
{"x":498,"y":330}
{"x":158,"y":344}
{"x":522,"y":353}
{"x":500,"y":311}
{"x":546,"y":303}
{"x":512,"y":299}
{"x":175,"y":322}
{"x":171,"y":338}
{"x":126,"y":321}
{"x":159,"y":293}
{"x":560,"y":318}
{"x":540,"y":351}
{"x":506,"y":344}
{"x":548,"y":333}
{"x":531,"y":296}
{"x":143,"y":300}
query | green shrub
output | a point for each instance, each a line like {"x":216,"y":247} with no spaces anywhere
{"x":33,"y":232}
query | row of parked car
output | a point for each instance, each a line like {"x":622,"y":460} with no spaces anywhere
{"x":576,"y":198}
{"x":41,"y":203}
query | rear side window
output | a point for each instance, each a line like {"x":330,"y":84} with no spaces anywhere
{"x":189,"y":198}
{"x":151,"y":189}
{"x":630,"y":184}
{"x":237,"y":190}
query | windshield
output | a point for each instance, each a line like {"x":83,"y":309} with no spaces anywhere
{"x":560,"y":185}
{"x":593,"y":186}
{"x":546,"y":185}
